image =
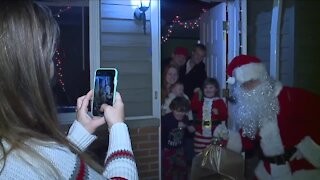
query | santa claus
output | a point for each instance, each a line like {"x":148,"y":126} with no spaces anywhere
{"x":283,"y":120}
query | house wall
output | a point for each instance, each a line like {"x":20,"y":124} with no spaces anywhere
{"x":258,"y":36}
{"x":125,"y":47}
{"x":258,"y":30}
{"x":145,"y":145}
{"x":287,"y":44}
{"x":307,"y":38}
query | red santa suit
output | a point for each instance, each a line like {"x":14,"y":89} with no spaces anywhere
{"x":207,"y":121}
{"x":297,"y":129}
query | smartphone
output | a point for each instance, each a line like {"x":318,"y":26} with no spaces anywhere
{"x":105,"y":85}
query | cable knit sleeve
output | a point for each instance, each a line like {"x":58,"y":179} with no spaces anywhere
{"x":80,"y":136}
{"x":120,"y":162}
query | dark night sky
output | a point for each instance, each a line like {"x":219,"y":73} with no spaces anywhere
{"x":186,"y":9}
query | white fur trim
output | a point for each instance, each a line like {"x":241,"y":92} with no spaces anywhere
{"x":310,"y":151}
{"x":271,"y":143}
{"x":249,"y":72}
{"x":277,"y":88}
{"x":231,"y":80}
{"x":261,"y":172}
{"x":234,"y":141}
{"x":221,"y":131}
{"x":306,"y":174}
{"x":206,"y":116}
{"x":281,"y":172}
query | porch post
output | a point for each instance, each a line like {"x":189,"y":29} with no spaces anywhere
{"x":275,"y":39}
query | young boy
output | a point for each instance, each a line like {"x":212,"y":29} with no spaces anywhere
{"x":175,"y":126}
{"x":176,"y":90}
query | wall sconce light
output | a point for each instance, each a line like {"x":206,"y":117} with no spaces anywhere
{"x":140,"y":12}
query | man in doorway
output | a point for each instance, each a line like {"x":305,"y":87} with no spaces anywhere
{"x":178,"y":58}
{"x":193,"y":72}
{"x":282,"y":121}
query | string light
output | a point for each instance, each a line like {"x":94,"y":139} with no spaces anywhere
{"x":58,"y":62}
{"x":61,"y":11}
{"x":58,"y":57}
{"x":193,"y":24}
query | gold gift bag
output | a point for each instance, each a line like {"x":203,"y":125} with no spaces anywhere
{"x":217,"y":162}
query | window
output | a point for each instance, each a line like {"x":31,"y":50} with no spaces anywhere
{"x":116,"y":40}
{"x":72,"y":64}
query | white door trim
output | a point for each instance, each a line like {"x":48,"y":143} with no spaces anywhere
{"x":275,"y":39}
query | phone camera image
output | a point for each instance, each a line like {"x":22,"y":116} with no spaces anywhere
{"x":103,"y":90}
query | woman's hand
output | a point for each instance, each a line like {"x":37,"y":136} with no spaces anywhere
{"x":114,"y":114}
{"x":90,"y":124}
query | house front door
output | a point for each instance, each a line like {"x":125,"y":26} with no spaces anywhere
{"x":213,"y":34}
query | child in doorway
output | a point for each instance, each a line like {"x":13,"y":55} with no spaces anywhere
{"x":175,"y":127}
{"x":211,"y":114}
{"x":176,"y":90}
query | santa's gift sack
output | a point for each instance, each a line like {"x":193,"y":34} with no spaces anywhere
{"x":217,"y":162}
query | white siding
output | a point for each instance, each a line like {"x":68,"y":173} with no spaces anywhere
{"x":125,"y":47}
{"x":259,"y":25}
{"x":286,"y":57}
{"x":307,"y":38}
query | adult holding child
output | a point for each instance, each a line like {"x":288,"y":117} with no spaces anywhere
{"x":176,"y":90}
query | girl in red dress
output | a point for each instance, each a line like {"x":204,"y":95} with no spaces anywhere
{"x":210,"y":110}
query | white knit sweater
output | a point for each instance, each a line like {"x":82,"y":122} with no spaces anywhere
{"x":119,"y":161}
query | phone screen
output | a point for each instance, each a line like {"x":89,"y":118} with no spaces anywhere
{"x":104,"y":89}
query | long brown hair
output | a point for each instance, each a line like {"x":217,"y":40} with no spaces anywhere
{"x":164,"y":85}
{"x":28,"y":34}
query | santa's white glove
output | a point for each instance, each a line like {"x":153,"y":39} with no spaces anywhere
{"x":309,"y":150}
{"x":221,"y":131}
{"x":297,"y":155}
{"x":234,"y":141}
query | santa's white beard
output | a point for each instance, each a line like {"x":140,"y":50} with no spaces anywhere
{"x":255,"y":107}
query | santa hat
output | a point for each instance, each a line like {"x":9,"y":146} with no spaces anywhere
{"x":244,"y":68}
{"x":181,"y":51}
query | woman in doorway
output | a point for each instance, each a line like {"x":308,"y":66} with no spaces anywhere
{"x":170,"y":76}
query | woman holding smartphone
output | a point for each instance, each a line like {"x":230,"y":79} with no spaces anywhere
{"x":32,"y":146}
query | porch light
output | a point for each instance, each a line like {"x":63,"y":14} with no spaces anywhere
{"x":140,"y":12}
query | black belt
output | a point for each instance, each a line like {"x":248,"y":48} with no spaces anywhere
{"x":281,"y":159}
{"x":214,"y":123}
